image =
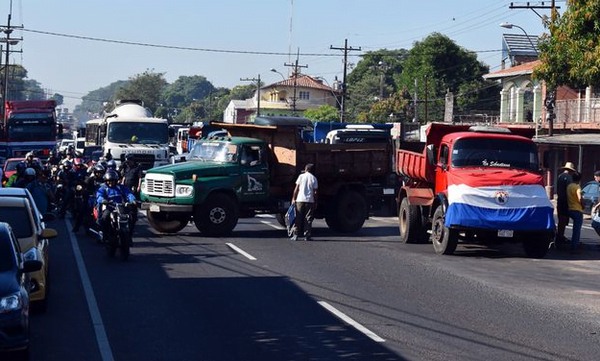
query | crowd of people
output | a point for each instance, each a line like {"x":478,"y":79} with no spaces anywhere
{"x":67,"y":182}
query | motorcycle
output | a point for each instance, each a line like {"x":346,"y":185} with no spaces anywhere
{"x":121,"y":228}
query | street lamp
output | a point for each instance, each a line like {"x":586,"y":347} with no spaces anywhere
{"x":275,"y":71}
{"x":510,"y":26}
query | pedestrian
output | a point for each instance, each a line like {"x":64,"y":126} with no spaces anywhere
{"x":562,"y":205}
{"x":575,"y":201}
{"x":305,"y":198}
{"x":596,"y":208}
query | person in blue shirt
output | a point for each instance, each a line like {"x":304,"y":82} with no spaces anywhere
{"x":108,"y":192}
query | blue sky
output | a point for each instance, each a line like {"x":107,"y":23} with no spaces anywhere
{"x":73,"y":67}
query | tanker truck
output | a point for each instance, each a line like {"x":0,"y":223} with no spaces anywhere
{"x":475,"y":184}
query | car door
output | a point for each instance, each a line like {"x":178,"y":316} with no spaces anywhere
{"x":255,"y":173}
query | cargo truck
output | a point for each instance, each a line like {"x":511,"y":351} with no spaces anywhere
{"x":253,"y":170}
{"x":474,"y":184}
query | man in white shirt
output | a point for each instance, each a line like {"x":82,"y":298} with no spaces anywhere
{"x":305,"y":198}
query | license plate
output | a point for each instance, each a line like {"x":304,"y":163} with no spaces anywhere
{"x":505,"y":233}
{"x":154,"y":208}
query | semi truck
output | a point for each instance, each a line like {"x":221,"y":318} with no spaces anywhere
{"x":131,"y":129}
{"x":253,"y":170}
{"x":474,"y":184}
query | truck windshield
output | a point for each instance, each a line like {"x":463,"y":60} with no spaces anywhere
{"x":138,"y":133}
{"x":31,"y":131}
{"x":214,"y":152}
{"x":490,"y":152}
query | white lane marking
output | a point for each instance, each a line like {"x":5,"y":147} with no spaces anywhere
{"x":265,"y":216}
{"x":273,"y":225}
{"x":101,"y":337}
{"x":240,"y":251}
{"x":351,"y":322}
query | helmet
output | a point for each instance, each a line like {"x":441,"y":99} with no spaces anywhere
{"x":111,"y":164}
{"x":78,"y":154}
{"x":29,"y":154}
{"x":67,"y":164}
{"x":21,"y":166}
{"x":111,"y":175}
{"x":98,"y":168}
{"x":78,"y":162}
{"x":30,"y":172}
{"x":129,"y":157}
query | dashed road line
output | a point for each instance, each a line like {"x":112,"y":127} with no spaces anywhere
{"x":101,"y":337}
{"x":240,"y":251}
{"x":276,"y":226}
{"x":339,"y":314}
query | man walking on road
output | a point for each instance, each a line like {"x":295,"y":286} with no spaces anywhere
{"x":305,"y":198}
{"x":562,"y":205}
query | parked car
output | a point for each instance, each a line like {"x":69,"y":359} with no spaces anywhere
{"x":33,"y":239}
{"x":14,"y":294}
{"x":589,"y":192}
{"x":10,"y":166}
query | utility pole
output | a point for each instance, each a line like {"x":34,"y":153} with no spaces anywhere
{"x":346,"y":49}
{"x":416,"y":119}
{"x":257,"y":80}
{"x":426,"y":117}
{"x":295,"y":74}
{"x":9,"y":41}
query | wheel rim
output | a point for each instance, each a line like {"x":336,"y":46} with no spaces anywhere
{"x":438,"y":230}
{"x":217,"y":215}
{"x":403,"y":220}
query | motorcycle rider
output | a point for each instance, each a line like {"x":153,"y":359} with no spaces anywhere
{"x":31,"y":162}
{"x":131,"y":173}
{"x":111,"y":191}
{"x":39,"y":191}
{"x":17,"y":176}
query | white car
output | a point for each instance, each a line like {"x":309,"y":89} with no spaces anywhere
{"x":64,"y":144}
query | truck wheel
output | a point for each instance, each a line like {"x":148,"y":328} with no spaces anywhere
{"x":444,"y":239}
{"x":409,"y":223}
{"x":351,"y":212}
{"x":218,"y":216}
{"x":166,"y":222}
{"x":332,"y":223}
{"x":537,"y":247}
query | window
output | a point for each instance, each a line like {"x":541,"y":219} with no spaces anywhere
{"x":7,"y":254}
{"x":251,"y":154}
{"x":304,"y":95}
{"x":19,"y":220}
{"x":444,"y":155}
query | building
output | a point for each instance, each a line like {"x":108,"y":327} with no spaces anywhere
{"x":290,"y":96}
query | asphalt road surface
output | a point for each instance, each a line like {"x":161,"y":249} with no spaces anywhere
{"x":258,"y":296}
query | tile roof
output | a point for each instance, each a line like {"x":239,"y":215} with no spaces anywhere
{"x":523,"y":69}
{"x":302,"y":81}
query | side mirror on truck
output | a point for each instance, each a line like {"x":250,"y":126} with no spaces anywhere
{"x":430,"y":154}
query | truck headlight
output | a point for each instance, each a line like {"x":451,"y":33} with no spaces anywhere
{"x":184,"y":191}
{"x":143,"y":186}
{"x":11,"y":303}
{"x":32,"y":255}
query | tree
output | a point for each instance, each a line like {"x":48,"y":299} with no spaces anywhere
{"x":185,"y":90}
{"x":58,"y":98}
{"x":93,"y":103}
{"x":19,"y":87}
{"x":147,"y":87}
{"x":324,"y":113}
{"x":571,"y":54}
{"x":440,"y":65}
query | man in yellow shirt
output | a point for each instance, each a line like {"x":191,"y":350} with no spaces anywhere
{"x":575,"y":210}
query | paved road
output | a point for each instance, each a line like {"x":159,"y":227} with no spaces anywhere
{"x":187,"y":297}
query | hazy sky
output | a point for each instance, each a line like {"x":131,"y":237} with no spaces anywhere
{"x":72,"y":66}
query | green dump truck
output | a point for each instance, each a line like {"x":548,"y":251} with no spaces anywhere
{"x":253,"y":171}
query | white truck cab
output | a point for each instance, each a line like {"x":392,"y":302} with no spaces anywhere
{"x":131,"y":129}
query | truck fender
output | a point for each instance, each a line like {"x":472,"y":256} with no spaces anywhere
{"x":440,"y":200}
{"x":416,"y":196}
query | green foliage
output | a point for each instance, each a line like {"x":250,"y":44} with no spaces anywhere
{"x":19,"y":87}
{"x":324,"y":113}
{"x":58,"y":98}
{"x":571,"y":55}
{"x":93,"y":102}
{"x":440,"y":65}
{"x":147,"y":87}
{"x":185,"y":90}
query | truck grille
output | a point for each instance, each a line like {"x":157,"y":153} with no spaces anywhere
{"x":159,"y":185}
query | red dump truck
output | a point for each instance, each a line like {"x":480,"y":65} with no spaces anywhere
{"x":475,"y":184}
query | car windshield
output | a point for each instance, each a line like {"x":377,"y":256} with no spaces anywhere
{"x":494,"y":152}
{"x":214,"y":151}
{"x":138,"y":133}
{"x":31,"y":131}
{"x":7,"y":258}
{"x":18,"y":219}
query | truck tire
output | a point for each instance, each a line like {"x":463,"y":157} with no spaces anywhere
{"x":351,"y":212}
{"x":331,"y":221}
{"x":443,"y":238}
{"x":536,"y":247}
{"x":218,"y":216}
{"x":167,"y":222}
{"x":409,"y":223}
